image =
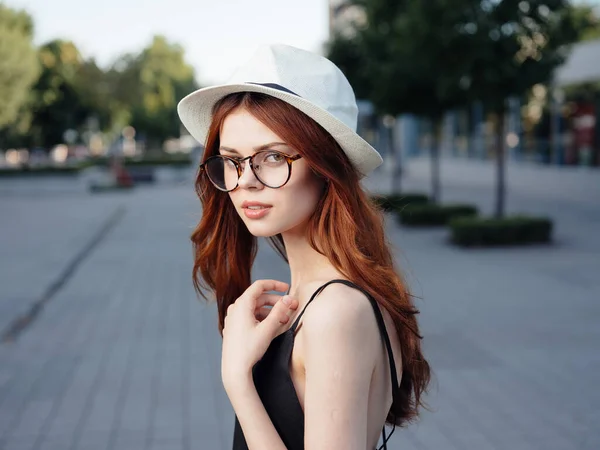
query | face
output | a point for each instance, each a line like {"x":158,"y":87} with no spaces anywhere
{"x":291,"y":205}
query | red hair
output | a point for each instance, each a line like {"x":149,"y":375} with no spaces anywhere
{"x":224,"y":249}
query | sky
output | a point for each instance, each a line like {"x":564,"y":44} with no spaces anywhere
{"x":217,"y":35}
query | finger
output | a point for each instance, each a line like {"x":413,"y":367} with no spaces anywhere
{"x":264,"y":304}
{"x":278,"y":316}
{"x":260,"y":312}
{"x":260,"y":286}
{"x":267,"y":299}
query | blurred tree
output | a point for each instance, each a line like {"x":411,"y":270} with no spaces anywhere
{"x":18,"y":67}
{"x":96,"y":89}
{"x":516,"y":45}
{"x":426,"y":57}
{"x":406,"y":58}
{"x":57,"y":105}
{"x":586,"y":18}
{"x":151,"y":84}
{"x":349,"y":54}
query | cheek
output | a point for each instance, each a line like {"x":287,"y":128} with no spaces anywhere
{"x":299,"y":203}
{"x":294,"y":204}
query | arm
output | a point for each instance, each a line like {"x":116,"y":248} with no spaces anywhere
{"x":341,"y":348}
{"x":245,"y":340}
{"x":256,"y":424}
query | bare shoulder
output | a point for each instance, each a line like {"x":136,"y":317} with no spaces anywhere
{"x":341,"y":313}
{"x":342,"y":317}
{"x":338,"y":304}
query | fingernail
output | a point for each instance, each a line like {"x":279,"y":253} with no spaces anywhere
{"x":287,"y":300}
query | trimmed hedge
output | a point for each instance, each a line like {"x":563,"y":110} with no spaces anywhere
{"x":395,"y":202}
{"x":103,"y":161}
{"x":516,"y":230}
{"x":39,"y":171}
{"x":433,"y":214}
{"x":176,"y":162}
{"x":179,"y":160}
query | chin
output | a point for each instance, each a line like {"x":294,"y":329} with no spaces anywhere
{"x":263,"y":235}
{"x":261,"y":232}
{"x":271,"y":230}
{"x":259,"y":228}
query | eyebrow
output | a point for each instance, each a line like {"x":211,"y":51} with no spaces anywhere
{"x":256,"y":149}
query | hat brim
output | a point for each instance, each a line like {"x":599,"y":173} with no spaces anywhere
{"x":195,"y":112}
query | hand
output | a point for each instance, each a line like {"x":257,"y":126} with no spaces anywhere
{"x":247,"y":331}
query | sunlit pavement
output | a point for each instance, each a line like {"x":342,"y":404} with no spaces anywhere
{"x":123,"y":356}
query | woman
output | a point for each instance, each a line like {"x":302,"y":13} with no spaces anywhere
{"x":283,"y":161}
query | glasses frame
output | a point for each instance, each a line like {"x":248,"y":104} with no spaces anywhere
{"x":240,"y":165}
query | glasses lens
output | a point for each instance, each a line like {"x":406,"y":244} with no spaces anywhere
{"x":222,"y":172}
{"x":271,"y":169}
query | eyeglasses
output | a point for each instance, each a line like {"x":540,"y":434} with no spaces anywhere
{"x":271,"y":168}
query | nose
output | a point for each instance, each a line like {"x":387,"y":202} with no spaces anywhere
{"x":248,"y":179}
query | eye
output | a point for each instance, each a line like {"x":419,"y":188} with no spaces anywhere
{"x":274,"y":157}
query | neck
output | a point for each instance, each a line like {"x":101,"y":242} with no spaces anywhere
{"x":306,"y":264}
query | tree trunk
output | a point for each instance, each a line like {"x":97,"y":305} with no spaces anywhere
{"x":397,"y":160}
{"x":435,"y":159}
{"x":500,"y":164}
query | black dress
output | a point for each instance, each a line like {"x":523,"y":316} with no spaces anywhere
{"x":276,"y":390}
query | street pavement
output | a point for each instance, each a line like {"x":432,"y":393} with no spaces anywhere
{"x":120,"y":353}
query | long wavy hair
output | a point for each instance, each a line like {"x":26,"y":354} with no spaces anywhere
{"x":347,"y":227}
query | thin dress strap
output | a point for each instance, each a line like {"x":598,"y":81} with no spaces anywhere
{"x":295,"y":324}
{"x":382,"y":331}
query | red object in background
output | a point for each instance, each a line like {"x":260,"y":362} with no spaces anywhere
{"x":122,"y":176}
{"x":584,"y":121}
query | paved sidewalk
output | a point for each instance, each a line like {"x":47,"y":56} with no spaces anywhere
{"x":513,"y":333}
{"x":123,"y":356}
{"x":574,"y":184}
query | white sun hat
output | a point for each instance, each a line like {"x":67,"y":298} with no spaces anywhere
{"x":305,"y":80}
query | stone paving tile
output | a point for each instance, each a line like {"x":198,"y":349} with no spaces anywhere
{"x":125,"y":356}
{"x":39,"y":243}
{"x":211,"y":417}
{"x":18,"y":444}
{"x":31,"y":380}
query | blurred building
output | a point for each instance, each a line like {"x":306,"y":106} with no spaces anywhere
{"x":344,"y":17}
{"x":558,"y":125}
{"x":582,"y":111}
{"x":582,"y":65}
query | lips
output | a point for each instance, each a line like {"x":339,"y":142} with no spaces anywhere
{"x":256,"y":213}
{"x":255,"y":205}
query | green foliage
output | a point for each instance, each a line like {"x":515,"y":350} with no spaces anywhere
{"x":347,"y":54}
{"x":396,"y":202}
{"x":517,"y":230}
{"x":151,"y":84}
{"x":56,"y":103}
{"x":425,"y":57}
{"x":404,"y":59}
{"x":97,"y":91}
{"x":433,"y":214}
{"x":69,"y":92}
{"x":515,"y":45}
{"x":584,"y":18}
{"x":18,"y":65}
